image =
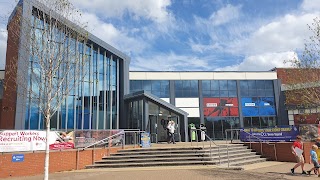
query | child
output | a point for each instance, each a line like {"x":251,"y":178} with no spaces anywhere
{"x":314,"y":160}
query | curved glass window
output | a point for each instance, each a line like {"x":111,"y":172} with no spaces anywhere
{"x":92,"y":99}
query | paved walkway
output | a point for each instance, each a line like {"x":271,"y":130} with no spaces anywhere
{"x":262,"y":171}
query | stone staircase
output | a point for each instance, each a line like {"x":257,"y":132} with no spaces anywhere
{"x":178,"y":156}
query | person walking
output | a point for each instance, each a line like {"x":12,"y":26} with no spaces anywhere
{"x":171,"y":129}
{"x":297,"y":150}
{"x":314,"y":160}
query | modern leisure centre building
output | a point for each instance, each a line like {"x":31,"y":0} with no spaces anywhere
{"x":114,"y":98}
{"x":219,"y":100}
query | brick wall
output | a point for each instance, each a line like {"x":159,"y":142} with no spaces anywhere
{"x":8,"y":107}
{"x":283,"y":151}
{"x":33,"y":163}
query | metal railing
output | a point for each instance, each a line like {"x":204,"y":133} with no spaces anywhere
{"x":107,"y":140}
{"x":250,"y":140}
{"x":202,"y":132}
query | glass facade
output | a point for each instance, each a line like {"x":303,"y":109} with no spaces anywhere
{"x":159,"y":88}
{"x":220,"y":106}
{"x":226,"y":104}
{"x":186,"y":88}
{"x":258,"y":103}
{"x":93,"y":101}
{"x":219,"y":88}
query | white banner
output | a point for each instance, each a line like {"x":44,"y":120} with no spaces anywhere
{"x":25,"y":140}
{"x":211,"y":104}
{"x":249,"y":104}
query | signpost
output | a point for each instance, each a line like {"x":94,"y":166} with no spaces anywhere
{"x":17,"y":158}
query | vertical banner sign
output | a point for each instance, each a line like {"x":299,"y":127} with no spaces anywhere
{"x":145,"y":140}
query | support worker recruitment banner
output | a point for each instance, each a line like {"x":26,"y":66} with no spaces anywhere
{"x":30,"y":140}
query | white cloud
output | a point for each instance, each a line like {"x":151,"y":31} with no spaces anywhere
{"x":155,"y":10}
{"x":225,"y":15}
{"x":310,"y":5}
{"x":6,"y":7}
{"x":201,"y":48}
{"x":113,"y":36}
{"x":286,"y":33}
{"x":3,"y":48}
{"x":262,"y":62}
{"x":170,"y":62}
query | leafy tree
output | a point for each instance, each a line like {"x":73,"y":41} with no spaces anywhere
{"x":302,"y":82}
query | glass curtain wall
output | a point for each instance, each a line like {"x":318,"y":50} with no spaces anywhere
{"x":258,"y":103}
{"x":220,"y":106}
{"x":92,"y":103}
{"x":159,"y":88}
{"x":186,"y":88}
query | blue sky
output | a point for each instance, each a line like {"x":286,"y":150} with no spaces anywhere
{"x":196,"y":35}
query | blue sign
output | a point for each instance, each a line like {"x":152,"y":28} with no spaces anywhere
{"x":276,"y":134}
{"x":145,"y":140}
{"x":17,"y":158}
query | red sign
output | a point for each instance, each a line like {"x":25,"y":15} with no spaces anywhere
{"x":214,"y":107}
{"x":62,"y":145}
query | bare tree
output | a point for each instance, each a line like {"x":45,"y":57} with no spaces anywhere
{"x":51,"y":59}
{"x":303,"y":80}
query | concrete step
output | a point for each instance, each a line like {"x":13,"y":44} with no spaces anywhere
{"x":159,"y":155}
{"x":180,"y":156}
{"x":180,"y":148}
{"x":248,"y":161}
{"x":149,"y":164}
{"x":237,"y":159}
{"x":178,"y":151}
{"x":109,"y":161}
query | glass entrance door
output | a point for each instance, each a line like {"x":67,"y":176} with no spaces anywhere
{"x":162,"y":128}
{"x":153,"y":126}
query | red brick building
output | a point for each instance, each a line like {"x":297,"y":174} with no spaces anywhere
{"x":300,"y":92}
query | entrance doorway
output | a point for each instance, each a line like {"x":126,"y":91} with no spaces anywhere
{"x":216,"y":126}
{"x":158,"y":127}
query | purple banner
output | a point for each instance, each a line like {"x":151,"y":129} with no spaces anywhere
{"x":276,"y":134}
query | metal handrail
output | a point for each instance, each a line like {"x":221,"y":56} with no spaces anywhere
{"x":105,"y":139}
{"x":260,"y":141}
{"x":211,"y":141}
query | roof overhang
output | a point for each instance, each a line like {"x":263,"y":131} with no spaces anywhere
{"x":149,"y":96}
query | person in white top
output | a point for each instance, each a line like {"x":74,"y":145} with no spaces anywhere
{"x":171,"y":129}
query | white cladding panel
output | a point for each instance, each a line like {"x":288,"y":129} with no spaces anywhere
{"x":290,"y":117}
{"x":229,"y":75}
{"x":187,"y":102}
{"x":291,"y":123}
{"x":261,"y":75}
{"x":137,"y":75}
{"x":166,"y":99}
{"x":196,"y":75}
{"x":193,"y":112}
{"x":202,"y":75}
{"x":162,"y":76}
